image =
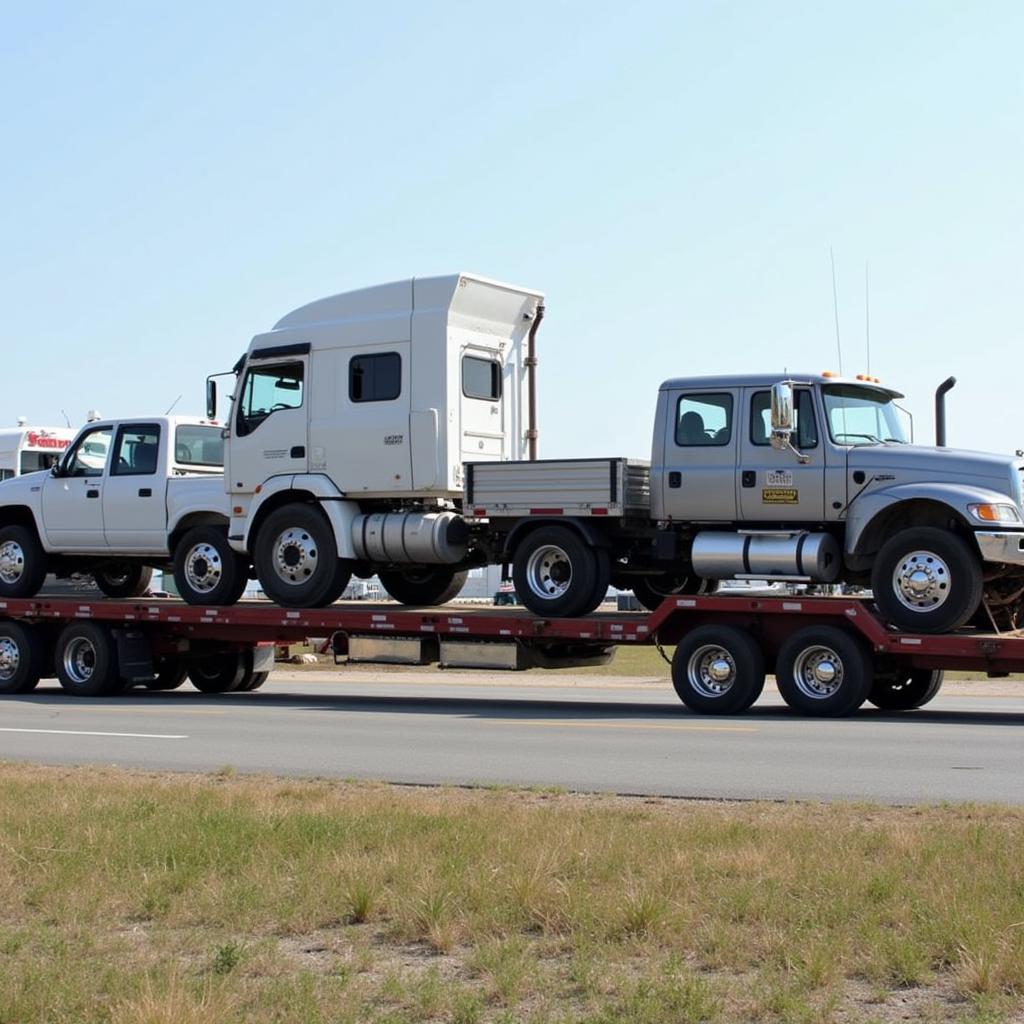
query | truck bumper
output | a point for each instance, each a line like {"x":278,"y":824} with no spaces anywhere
{"x":1002,"y":546}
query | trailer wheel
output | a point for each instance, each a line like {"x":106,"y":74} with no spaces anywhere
{"x":651,"y":591}
{"x":21,"y":658}
{"x":252,"y":681}
{"x":207,"y":570}
{"x":86,"y":661}
{"x":123,"y":579}
{"x":908,"y":689}
{"x":296,"y":558}
{"x":170,"y":674}
{"x":824,"y":671}
{"x":927,"y":580}
{"x":557,"y":574}
{"x":218,"y":673}
{"x":22,"y":562}
{"x":423,"y":586}
{"x":718,"y":670}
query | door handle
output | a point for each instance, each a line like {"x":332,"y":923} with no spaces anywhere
{"x":92,"y":494}
{"x":675,"y":478}
{"x":298,"y":452}
{"x":748,"y":478}
{"x":145,"y":492}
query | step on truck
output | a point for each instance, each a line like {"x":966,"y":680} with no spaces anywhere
{"x":828,"y":654}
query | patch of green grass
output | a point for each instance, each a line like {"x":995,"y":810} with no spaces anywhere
{"x":129,"y":898}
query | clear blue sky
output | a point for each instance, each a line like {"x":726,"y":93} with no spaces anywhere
{"x":176,"y":177}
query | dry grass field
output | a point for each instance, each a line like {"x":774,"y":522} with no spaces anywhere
{"x":128,"y":898}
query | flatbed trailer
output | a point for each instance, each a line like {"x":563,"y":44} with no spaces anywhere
{"x":828,"y":654}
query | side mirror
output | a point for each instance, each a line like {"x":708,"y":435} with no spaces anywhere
{"x":782,"y":416}
{"x":211,"y":398}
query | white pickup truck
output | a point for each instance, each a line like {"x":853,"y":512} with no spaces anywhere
{"x":126,"y":496}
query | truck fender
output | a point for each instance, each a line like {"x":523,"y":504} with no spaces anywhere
{"x":865,"y":511}
{"x":340,"y":511}
{"x":587,"y":529}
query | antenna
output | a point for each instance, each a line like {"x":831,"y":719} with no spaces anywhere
{"x":835,"y":307}
{"x":67,"y":419}
{"x":867,"y":316}
{"x":172,"y":405}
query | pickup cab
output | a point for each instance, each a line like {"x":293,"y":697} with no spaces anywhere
{"x":810,"y":479}
{"x":127,"y":496}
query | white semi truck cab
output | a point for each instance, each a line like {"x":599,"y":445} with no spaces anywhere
{"x":350,"y":425}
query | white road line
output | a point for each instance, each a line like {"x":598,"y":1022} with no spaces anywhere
{"x":80,"y":732}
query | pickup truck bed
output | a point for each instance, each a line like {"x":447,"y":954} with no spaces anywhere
{"x":573,"y":487}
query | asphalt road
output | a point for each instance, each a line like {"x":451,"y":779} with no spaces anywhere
{"x":577,"y":734}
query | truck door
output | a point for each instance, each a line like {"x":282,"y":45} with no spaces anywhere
{"x":135,"y":490}
{"x":72,"y":501}
{"x":699,"y":476}
{"x":774,"y":486}
{"x":269,"y":420}
{"x":482,"y":429}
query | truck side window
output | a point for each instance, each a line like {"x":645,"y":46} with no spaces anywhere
{"x":266,"y":390}
{"x":803,"y":415}
{"x":136,"y":449}
{"x":481,"y":378}
{"x":704,"y":420}
{"x":375,"y":378}
{"x":89,"y":456}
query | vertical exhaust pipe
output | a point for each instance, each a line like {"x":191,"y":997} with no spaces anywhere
{"x":940,"y":410}
{"x":531,"y":379}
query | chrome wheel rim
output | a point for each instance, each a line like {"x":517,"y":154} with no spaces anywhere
{"x":203,"y":568}
{"x":818,"y":672}
{"x":10,"y":658}
{"x":921,"y":581}
{"x":711,"y":671}
{"x":79,"y":660}
{"x":12,"y":561}
{"x":549,"y":572}
{"x":296,"y":556}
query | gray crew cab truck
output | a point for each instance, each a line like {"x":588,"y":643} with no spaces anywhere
{"x":811,"y":479}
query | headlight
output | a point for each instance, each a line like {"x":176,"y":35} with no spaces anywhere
{"x":994,"y":513}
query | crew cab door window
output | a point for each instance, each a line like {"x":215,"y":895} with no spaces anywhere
{"x":136,"y":450}
{"x":704,"y":420}
{"x":806,"y":433}
{"x":89,"y":456}
{"x":266,"y":390}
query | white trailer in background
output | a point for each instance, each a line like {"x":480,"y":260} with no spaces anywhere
{"x":25,"y":449}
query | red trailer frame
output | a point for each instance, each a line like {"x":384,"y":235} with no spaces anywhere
{"x":148,"y":632}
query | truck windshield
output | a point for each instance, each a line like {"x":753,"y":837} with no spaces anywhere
{"x":859,"y":415}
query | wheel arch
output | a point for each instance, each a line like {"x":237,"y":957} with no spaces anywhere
{"x":869,"y":536}
{"x":20,"y":515}
{"x":193,"y":519}
{"x":591,"y":533}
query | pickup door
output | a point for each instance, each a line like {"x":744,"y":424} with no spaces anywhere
{"x":72,"y":502}
{"x":135,"y":491}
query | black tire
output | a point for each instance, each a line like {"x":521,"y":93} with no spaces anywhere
{"x":170,"y":674}
{"x":218,"y":673}
{"x":252,"y":681}
{"x":423,"y":586}
{"x":22,"y":562}
{"x":296,"y":558}
{"x":207,"y":570}
{"x":908,"y":689}
{"x":948,"y":570}
{"x":823,"y":670}
{"x":557,"y":574}
{"x":718,"y":670}
{"x":121,"y":580}
{"x":651,"y":591}
{"x":86,"y":661}
{"x":22,"y":658}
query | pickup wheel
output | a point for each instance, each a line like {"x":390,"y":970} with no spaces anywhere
{"x":824,"y":671}
{"x":219,"y":673}
{"x":296,"y":558}
{"x":906,"y":690}
{"x":22,"y":562}
{"x":207,"y":570}
{"x":123,"y":579}
{"x":718,"y":670}
{"x":423,"y":586}
{"x":650,"y":591}
{"x":21,"y":658}
{"x":927,"y":580}
{"x":556,"y":573}
{"x":86,"y":661}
